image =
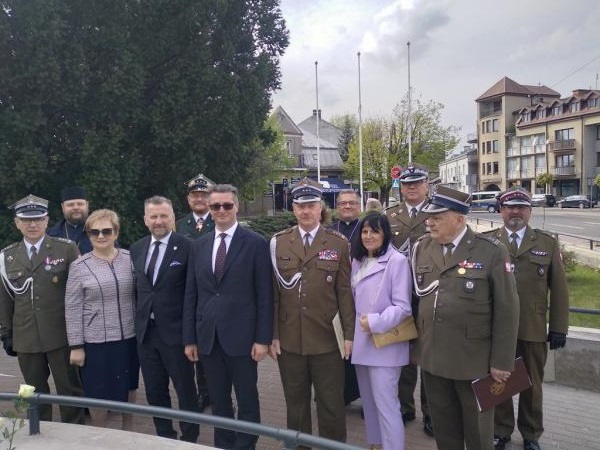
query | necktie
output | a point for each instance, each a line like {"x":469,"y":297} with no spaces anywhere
{"x":448,"y":252}
{"x":220,"y":259}
{"x":306,"y":242}
{"x":514,"y":243}
{"x":152,"y":263}
{"x":33,"y":252}
{"x":199,"y":224}
{"x":413,"y":213}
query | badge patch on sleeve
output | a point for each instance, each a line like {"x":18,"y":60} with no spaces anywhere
{"x":509,"y":267}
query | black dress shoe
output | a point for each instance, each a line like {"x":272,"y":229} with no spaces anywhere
{"x":427,"y":426}
{"x":530,"y":445}
{"x":203,"y":402}
{"x":408,"y":417}
{"x":500,"y":442}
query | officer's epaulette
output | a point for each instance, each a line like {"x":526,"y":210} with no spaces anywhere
{"x":493,"y":231}
{"x":286,"y":231}
{"x":14,"y":244}
{"x":488,"y":237}
{"x":60,"y":239}
{"x":335,"y":233}
{"x":546,"y":232}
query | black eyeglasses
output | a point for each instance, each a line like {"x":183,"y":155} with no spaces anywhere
{"x":104,"y":232}
{"x":348,"y":203}
{"x":218,"y":206}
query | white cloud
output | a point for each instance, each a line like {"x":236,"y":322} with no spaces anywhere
{"x":459,"y":48}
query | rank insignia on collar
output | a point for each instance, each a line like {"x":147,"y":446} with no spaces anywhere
{"x":329,"y":255}
{"x":538,"y":252}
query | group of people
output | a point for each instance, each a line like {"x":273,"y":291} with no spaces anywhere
{"x":201,"y":301}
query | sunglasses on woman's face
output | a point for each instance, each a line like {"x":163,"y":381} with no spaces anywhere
{"x":96,"y":232}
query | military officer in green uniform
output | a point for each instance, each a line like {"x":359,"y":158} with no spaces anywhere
{"x":407,"y":221}
{"x":467,"y":321}
{"x":539,"y":272}
{"x":312,"y":269}
{"x":198,"y":221}
{"x":193,"y":225}
{"x":32,"y":305}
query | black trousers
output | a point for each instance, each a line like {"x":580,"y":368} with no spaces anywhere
{"x":161,"y":362}
{"x":222,"y":372}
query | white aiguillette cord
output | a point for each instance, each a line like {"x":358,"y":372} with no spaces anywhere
{"x":10,"y":288}
{"x":282,"y":281}
{"x":413,"y":262}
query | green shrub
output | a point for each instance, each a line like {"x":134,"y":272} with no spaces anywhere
{"x":269,"y":225}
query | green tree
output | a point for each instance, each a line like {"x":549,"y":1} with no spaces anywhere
{"x":544,"y":179}
{"x":349,"y":126}
{"x":132,"y":98}
{"x":385,"y":144}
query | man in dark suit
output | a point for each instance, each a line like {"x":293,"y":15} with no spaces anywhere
{"x":75,"y":209}
{"x":161,"y":261}
{"x":32,"y":305}
{"x":228,"y":313}
{"x":193,"y":225}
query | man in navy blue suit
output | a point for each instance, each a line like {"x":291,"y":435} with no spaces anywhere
{"x":161,"y":262}
{"x":228,"y":313}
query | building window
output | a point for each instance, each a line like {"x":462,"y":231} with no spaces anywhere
{"x":557,"y":110}
{"x":565,"y":135}
{"x":526,"y":117}
{"x":495,"y":168}
{"x":495,"y":126}
{"x":565,"y":161}
{"x":593,"y":103}
{"x":288,"y":148}
{"x":483,"y":148}
{"x":541,"y":114}
{"x":574,"y":107}
{"x":495,"y":146}
{"x":598,"y":132}
{"x":483,"y":168}
{"x":597,"y":159}
{"x":489,"y":168}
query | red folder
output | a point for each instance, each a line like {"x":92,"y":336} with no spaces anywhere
{"x":490,"y":393}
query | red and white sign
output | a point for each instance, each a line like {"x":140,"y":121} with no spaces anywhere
{"x":396,"y":170}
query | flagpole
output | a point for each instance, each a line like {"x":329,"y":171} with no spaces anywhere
{"x":409,"y":109}
{"x":318,"y":123}
{"x":360,"y":146}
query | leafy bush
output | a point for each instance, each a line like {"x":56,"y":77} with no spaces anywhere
{"x":269,"y":225}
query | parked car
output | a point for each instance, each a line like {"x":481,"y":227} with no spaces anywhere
{"x":576,"y":201}
{"x":486,"y":200}
{"x":543,"y":200}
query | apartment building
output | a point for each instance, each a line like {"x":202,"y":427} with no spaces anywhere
{"x":524,"y":131}
{"x":459,"y":169}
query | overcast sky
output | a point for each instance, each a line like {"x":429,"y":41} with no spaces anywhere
{"x":459,"y":48}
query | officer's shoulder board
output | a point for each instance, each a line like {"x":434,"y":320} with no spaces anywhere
{"x":545,"y":233}
{"x":284,"y":232}
{"x":391,"y":210}
{"x":335,"y":233}
{"x":488,"y":237}
{"x":60,"y":239}
{"x":8,"y":247}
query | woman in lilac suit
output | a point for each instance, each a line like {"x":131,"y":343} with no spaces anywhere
{"x":382,"y":285}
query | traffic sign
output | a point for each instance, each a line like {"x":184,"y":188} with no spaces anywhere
{"x":395,"y":183}
{"x":396,"y":170}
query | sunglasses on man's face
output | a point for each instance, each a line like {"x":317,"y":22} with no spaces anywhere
{"x":218,"y":206}
{"x":96,"y":232}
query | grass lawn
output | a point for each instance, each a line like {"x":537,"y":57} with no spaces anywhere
{"x":584,"y":292}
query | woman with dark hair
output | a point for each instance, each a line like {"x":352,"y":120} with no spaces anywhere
{"x":382,"y":285}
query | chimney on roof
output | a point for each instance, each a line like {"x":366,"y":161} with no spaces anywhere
{"x":315,"y":113}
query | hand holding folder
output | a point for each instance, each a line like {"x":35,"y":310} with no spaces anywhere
{"x":490,"y":393}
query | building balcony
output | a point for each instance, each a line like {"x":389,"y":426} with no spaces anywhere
{"x":562,"y":146}
{"x":526,"y":150}
{"x":513,"y":152}
{"x":567,"y":171}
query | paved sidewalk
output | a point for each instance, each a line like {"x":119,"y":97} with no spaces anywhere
{"x":572,"y":416}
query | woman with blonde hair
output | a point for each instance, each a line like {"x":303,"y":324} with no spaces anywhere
{"x":100,"y":310}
